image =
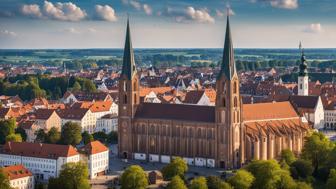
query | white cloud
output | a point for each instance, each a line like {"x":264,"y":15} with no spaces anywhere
{"x":223,"y":13}
{"x":200,"y":15}
{"x":106,"y":13}
{"x":313,"y":28}
{"x":8,"y":33}
{"x":63,"y":11}
{"x":71,"y":31}
{"x":32,"y":10}
{"x":285,"y":4}
{"x":148,"y":10}
{"x":135,"y":4}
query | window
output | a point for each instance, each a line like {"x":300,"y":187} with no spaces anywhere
{"x":235,"y":102}
{"x":235,"y":87}
{"x":125,"y":86}
{"x":135,"y":99}
{"x":125,"y":99}
{"x":223,"y":102}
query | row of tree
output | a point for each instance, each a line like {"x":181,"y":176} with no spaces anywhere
{"x":33,"y":86}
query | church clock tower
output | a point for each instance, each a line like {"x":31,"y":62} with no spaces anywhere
{"x":228,"y":109}
{"x":303,"y":76}
{"x":128,"y":98}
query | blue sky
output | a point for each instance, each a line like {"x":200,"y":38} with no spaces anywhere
{"x":167,"y":23}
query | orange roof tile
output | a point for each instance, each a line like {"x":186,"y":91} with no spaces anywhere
{"x":156,"y":90}
{"x":95,"y":147}
{"x":16,"y":172}
{"x":267,"y":111}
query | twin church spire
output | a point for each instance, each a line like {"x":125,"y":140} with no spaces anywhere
{"x":227,"y":67}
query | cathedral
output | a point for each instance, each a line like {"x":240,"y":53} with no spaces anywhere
{"x":226,"y":135}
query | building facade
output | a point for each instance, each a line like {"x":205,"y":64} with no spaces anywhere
{"x":98,"y":158}
{"x":19,"y":177}
{"x":303,"y":80}
{"x":226,"y":135}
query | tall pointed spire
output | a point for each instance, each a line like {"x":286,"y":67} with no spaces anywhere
{"x":128,"y":68}
{"x":303,"y":71}
{"x":228,"y":66}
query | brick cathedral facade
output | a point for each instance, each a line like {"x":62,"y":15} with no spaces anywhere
{"x":226,"y":135}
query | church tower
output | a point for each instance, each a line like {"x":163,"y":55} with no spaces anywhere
{"x":303,"y":76}
{"x":228,"y":109}
{"x":128,"y":98}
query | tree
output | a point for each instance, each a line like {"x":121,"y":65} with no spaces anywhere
{"x":41,"y":136}
{"x":215,"y":182}
{"x":101,"y":136}
{"x":176,"y":183}
{"x":7,"y":127}
{"x":134,"y":177}
{"x":316,"y":149}
{"x":53,"y":136}
{"x":265,"y":172}
{"x":14,"y":138}
{"x":88,"y":86}
{"x":199,"y":183}
{"x":4,"y":181}
{"x":87,"y":137}
{"x":331,"y":182}
{"x":303,"y":185}
{"x":112,"y":137}
{"x":301,"y":169}
{"x":22,"y":132}
{"x":71,"y":133}
{"x":242,"y":179}
{"x":287,"y":156}
{"x":283,"y":180}
{"x":177,"y":167}
{"x":76,"y":87}
{"x":74,"y":176}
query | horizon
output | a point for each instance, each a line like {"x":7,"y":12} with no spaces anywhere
{"x":74,"y":24}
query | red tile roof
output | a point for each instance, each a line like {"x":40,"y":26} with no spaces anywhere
{"x":95,"y":147}
{"x":16,"y":172}
{"x":49,"y":151}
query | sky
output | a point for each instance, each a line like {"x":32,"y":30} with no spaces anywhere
{"x":39,"y":24}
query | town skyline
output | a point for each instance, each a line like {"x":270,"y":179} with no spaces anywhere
{"x":28,"y":24}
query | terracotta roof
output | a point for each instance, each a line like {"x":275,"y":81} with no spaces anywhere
{"x":10,"y":112}
{"x":101,"y":106}
{"x":156,"y":90}
{"x":95,"y":147}
{"x":98,"y":96}
{"x":180,"y":112}
{"x":40,"y":150}
{"x":267,"y":111}
{"x":16,"y":172}
{"x":211,"y":94}
{"x":308,"y":102}
{"x":193,"y":97}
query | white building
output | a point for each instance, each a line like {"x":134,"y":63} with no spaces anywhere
{"x":330,"y":116}
{"x":83,"y":116}
{"x":197,"y":98}
{"x":44,"y":160}
{"x":19,"y":177}
{"x":303,"y":82}
{"x":311,"y":108}
{"x":98,"y":158}
{"x":107,"y":123}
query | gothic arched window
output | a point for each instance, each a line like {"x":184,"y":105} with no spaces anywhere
{"x":135,"y":99}
{"x":223,"y":102}
{"x":235,"y":102}
{"x":125,"y":99}
{"x":235,"y":87}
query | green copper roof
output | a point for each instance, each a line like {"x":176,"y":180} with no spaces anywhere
{"x":128,"y":68}
{"x":228,"y":66}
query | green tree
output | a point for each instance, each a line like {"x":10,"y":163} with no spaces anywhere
{"x":88,"y":86}
{"x":265,"y":172}
{"x":242,"y":179}
{"x":301,"y":169}
{"x":76,"y":87}
{"x":112,"y":137}
{"x":87,"y":137}
{"x":4,"y":181}
{"x":302,"y":185}
{"x":74,"y":176}
{"x":22,"y":132}
{"x":287,"y":156}
{"x":316,"y":149}
{"x":134,"y":177}
{"x":331,"y":182}
{"x":53,"y":136}
{"x":14,"y":138}
{"x":215,"y":182}
{"x":177,"y":167}
{"x":283,"y":180}
{"x":71,"y":133}
{"x":41,"y":136}
{"x":101,"y":136}
{"x":198,"y":183}
{"x":7,"y":127}
{"x":176,"y":183}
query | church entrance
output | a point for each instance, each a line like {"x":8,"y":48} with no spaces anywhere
{"x":125,"y":155}
{"x":222,"y":164}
